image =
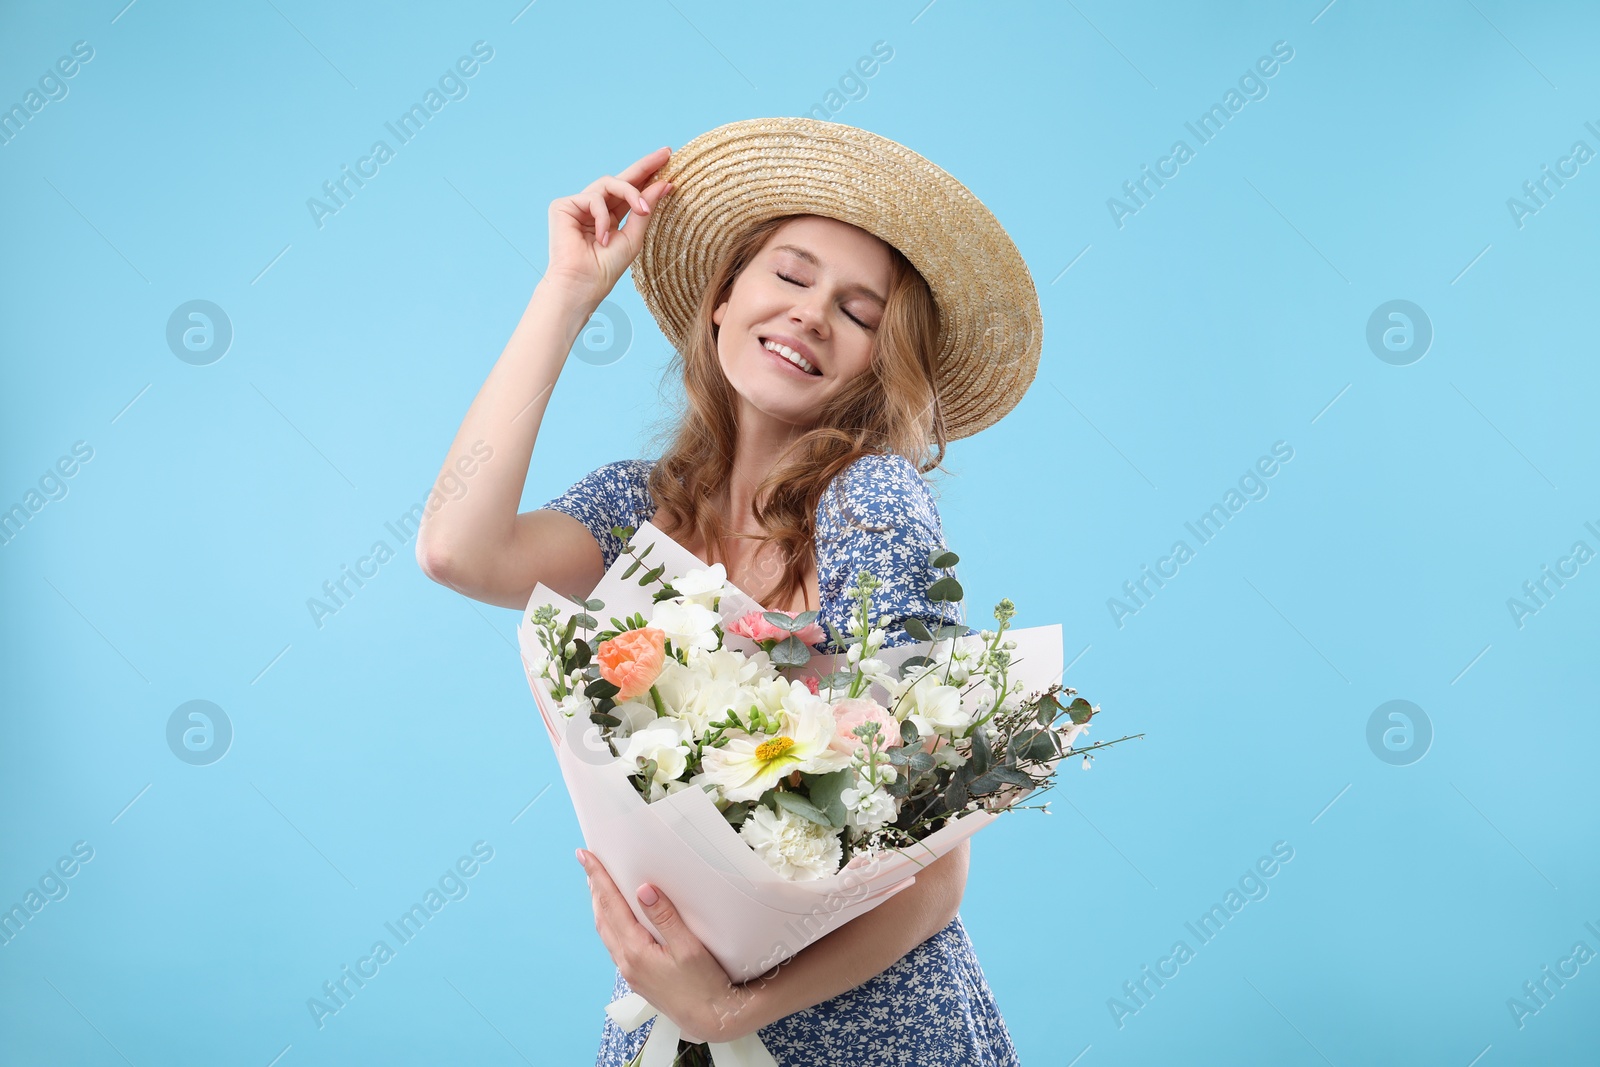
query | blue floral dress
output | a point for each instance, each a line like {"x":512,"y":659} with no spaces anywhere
{"x":933,"y":1007}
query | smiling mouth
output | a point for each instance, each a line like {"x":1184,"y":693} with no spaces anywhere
{"x":791,"y":357}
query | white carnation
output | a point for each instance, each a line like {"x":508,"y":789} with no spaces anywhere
{"x":794,"y":846}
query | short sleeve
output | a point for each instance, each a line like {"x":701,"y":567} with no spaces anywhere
{"x":616,"y":494}
{"x":889,"y":525}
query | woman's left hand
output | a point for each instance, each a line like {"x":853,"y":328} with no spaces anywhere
{"x":680,"y":978}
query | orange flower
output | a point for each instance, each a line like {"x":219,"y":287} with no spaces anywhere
{"x":632,"y":661}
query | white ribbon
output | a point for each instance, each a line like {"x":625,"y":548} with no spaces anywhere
{"x":661,"y":1048}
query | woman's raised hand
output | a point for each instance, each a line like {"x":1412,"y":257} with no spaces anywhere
{"x":589,"y":247}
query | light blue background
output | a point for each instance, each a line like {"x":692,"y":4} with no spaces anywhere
{"x":1229,"y":313}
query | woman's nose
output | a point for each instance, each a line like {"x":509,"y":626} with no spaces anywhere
{"x":809,"y":315}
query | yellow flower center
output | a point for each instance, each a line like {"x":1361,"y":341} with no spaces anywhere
{"x":768,"y":751}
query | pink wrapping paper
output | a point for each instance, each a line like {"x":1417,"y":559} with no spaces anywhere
{"x":748,"y":916}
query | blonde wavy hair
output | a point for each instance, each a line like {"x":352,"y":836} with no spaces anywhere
{"x":891,"y":407}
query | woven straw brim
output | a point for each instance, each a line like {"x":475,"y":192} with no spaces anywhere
{"x":741,"y":174}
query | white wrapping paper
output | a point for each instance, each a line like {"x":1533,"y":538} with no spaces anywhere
{"x":748,"y":916}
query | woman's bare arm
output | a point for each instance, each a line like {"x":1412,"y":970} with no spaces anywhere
{"x":476,"y":542}
{"x":472,"y":538}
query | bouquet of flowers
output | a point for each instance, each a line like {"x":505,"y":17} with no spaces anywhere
{"x":769,"y":791}
{"x":811,"y":771}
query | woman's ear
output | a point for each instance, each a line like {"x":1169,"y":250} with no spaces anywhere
{"x":716,"y":316}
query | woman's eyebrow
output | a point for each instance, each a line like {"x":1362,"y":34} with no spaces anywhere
{"x":812,"y":259}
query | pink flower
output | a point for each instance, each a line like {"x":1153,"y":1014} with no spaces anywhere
{"x":758,"y":629}
{"x":811,"y":683}
{"x":852,"y":712}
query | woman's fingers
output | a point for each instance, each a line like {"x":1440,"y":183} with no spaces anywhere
{"x":601,"y":215}
{"x":614,"y":920}
{"x":665,"y":918}
{"x":640,"y":171}
{"x":621,"y":197}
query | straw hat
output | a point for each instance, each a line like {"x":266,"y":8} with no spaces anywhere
{"x":726,"y":180}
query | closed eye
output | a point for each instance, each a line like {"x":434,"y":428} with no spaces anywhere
{"x":847,"y":314}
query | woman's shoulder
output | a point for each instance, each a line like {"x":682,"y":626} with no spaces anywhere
{"x":879,"y":488}
{"x":615,"y":493}
{"x":620,"y":478}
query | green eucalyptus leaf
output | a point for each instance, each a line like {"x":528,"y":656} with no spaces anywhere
{"x":824,"y":790}
{"x":600,"y":718}
{"x":984,"y":783}
{"x":920,"y":762}
{"x":628,"y":573}
{"x":804,"y":619}
{"x":908,"y":733}
{"x":581,"y":658}
{"x":652,"y":574}
{"x":982,"y":754}
{"x":834,"y":635}
{"x":780,"y":620}
{"x":1080,"y":710}
{"x":916,"y":628}
{"x":942,"y":559}
{"x":790,"y":652}
{"x":587,"y":621}
{"x":955,"y":795}
{"x":802,"y":807}
{"x":1035,"y":745}
{"x":600,"y":688}
{"x":839,"y":680}
{"x":1013,"y":776}
{"x":945,"y":589}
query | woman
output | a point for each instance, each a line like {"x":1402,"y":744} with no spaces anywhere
{"x":840,"y":308}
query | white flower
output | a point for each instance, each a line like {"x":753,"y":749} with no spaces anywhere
{"x":934,"y":707}
{"x":635,"y":715}
{"x":955,"y":656}
{"x":768,"y":694}
{"x":873,"y":642}
{"x":747,"y":765}
{"x":794,"y":846}
{"x":876,"y":671}
{"x":702,"y":586}
{"x":688,"y":694}
{"x":867,"y":809}
{"x":686,"y":625}
{"x":666,"y":741}
{"x":575,"y":704}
